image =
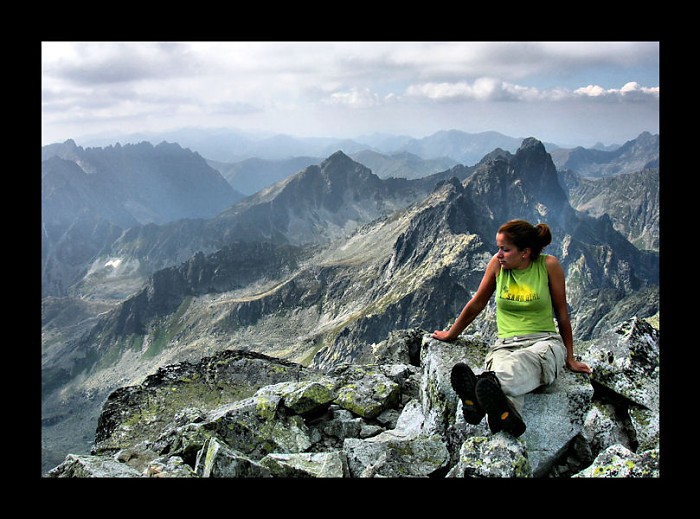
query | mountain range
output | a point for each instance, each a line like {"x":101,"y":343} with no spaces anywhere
{"x":230,"y":146}
{"x":317,"y":268}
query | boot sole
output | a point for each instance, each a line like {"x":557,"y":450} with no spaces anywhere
{"x":502,"y":416}
{"x":463,"y":382}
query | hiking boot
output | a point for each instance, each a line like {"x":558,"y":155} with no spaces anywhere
{"x":501,"y":414}
{"x":464,"y":383}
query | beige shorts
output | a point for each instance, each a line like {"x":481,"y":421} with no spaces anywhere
{"x":526,"y":362}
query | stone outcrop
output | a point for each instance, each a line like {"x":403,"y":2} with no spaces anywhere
{"x":239,"y":414}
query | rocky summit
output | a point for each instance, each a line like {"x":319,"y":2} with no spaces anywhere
{"x":392,"y":415}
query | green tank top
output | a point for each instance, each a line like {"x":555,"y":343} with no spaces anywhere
{"x":523,"y":301}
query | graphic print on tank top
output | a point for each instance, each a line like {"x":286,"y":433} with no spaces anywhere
{"x":514,"y":291}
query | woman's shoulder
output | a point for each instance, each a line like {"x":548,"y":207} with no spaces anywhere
{"x":494,"y":265}
{"x":550,"y":262}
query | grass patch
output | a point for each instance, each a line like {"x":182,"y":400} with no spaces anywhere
{"x":169,"y":328}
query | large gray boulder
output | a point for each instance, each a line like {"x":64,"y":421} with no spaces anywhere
{"x":625,"y":366}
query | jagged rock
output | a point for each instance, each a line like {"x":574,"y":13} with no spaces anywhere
{"x":306,"y":464}
{"x":405,"y":451}
{"x":394,"y":349}
{"x":392,"y":455}
{"x":257,"y":426}
{"x":627,"y":361}
{"x":340,"y":425}
{"x":169,"y":467}
{"x":182,"y":440}
{"x":302,"y":428}
{"x":625,"y":366}
{"x":602,"y":428}
{"x":496,"y":456}
{"x":646,"y":426}
{"x":303,"y":398}
{"x":366,"y":391}
{"x":617,"y":461}
{"x":149,"y":410}
{"x":138,"y":457}
{"x":437,"y":360}
{"x":88,"y":466}
{"x":554,"y":416}
{"x":388,"y":418}
{"x":216,"y":460}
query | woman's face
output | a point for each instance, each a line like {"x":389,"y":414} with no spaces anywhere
{"x":509,"y":256}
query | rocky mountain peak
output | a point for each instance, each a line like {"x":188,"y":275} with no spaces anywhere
{"x":242,"y":414}
{"x":341,"y":168}
{"x":634,"y":155}
{"x":533,"y":145}
{"x":338,"y":158}
{"x":67,"y":150}
{"x":524,"y":184}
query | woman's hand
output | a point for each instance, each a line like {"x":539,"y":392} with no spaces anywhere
{"x":575,"y":365}
{"x":442,"y":336}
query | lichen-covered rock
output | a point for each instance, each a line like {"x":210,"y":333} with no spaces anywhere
{"x":307,"y":465}
{"x":140,"y":413}
{"x":378,"y":420}
{"x":554,"y":416}
{"x":329,"y":431}
{"x":182,"y":440}
{"x":257,"y":426}
{"x":366,"y":391}
{"x":626,"y":361}
{"x":169,"y":467}
{"x":137,"y":457}
{"x":645,"y":423}
{"x":617,"y":461}
{"x":602,"y":429}
{"x":401,"y":347}
{"x":407,"y":376}
{"x":439,"y":400}
{"x":625,"y":365}
{"x":496,"y":456}
{"x":395,"y":455}
{"x":216,"y":460}
{"x":303,"y":398}
{"x":90,"y":466}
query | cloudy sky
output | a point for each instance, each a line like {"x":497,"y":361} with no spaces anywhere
{"x":568,"y":93}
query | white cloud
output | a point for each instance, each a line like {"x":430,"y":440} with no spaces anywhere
{"x":89,"y":87}
{"x":490,"y":89}
{"x":631,"y":91}
{"x":482,"y":89}
{"x":355,"y":98}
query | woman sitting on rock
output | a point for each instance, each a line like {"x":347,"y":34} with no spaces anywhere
{"x":529,"y":352}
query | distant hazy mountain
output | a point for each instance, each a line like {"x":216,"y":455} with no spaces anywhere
{"x":314,"y":206}
{"x":402,"y":164}
{"x":635,"y":155}
{"x":251,"y":175}
{"x":465,"y":148}
{"x":230,"y":146}
{"x":90,"y":195}
{"x":630,"y":200}
{"x":153,"y":184}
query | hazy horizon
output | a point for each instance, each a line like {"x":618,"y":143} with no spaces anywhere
{"x":567,"y":93}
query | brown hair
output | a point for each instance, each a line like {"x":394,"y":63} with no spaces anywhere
{"x":525,"y":235}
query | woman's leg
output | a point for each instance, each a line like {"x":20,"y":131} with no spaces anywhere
{"x":526,"y":364}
